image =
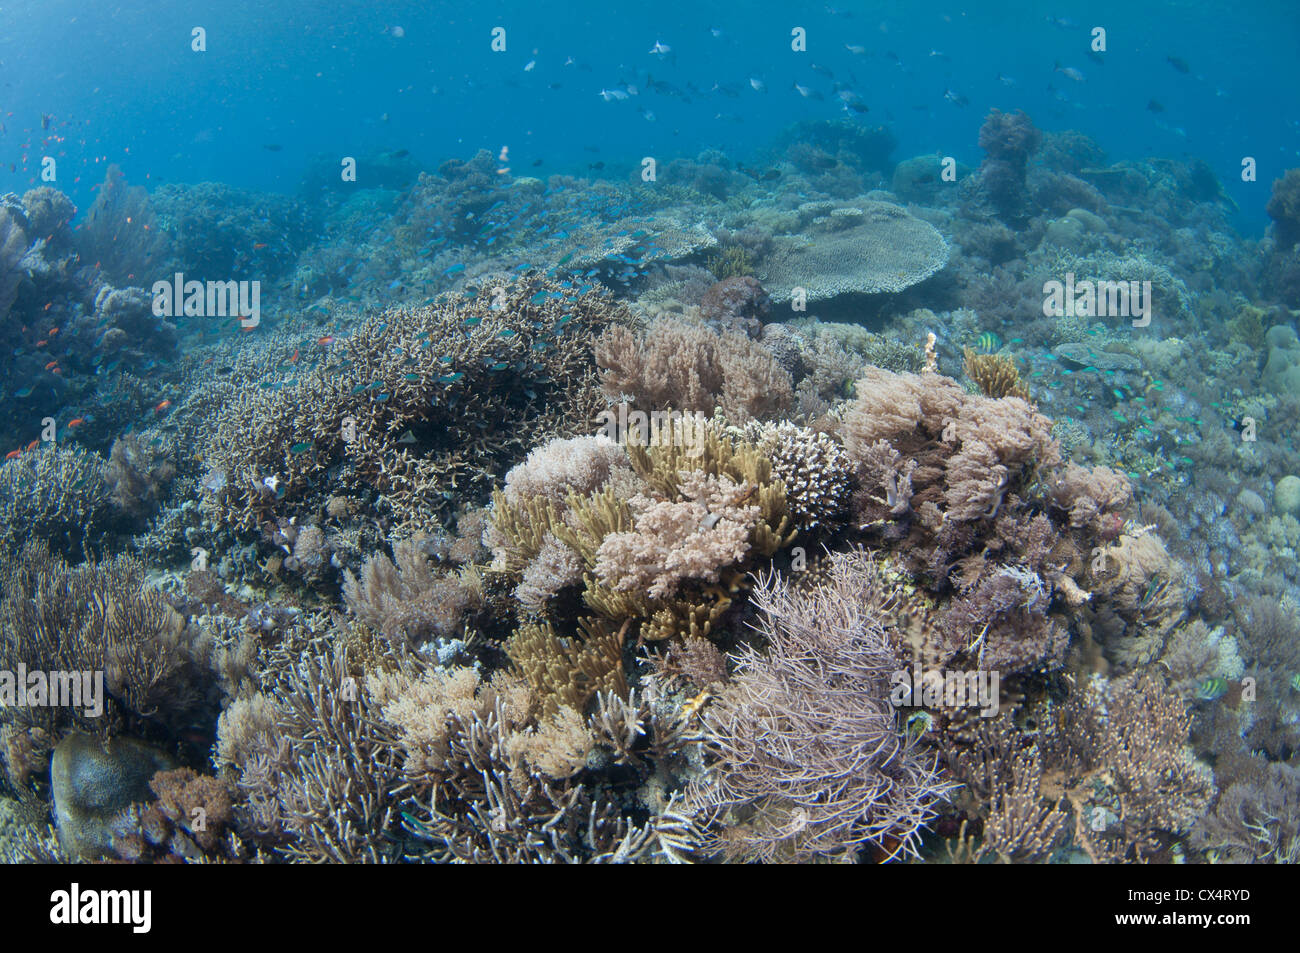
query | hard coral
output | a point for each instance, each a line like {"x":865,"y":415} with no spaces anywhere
{"x":421,"y":404}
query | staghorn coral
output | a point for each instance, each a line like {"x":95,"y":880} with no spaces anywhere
{"x":316,"y":766}
{"x":490,"y":781}
{"x":799,"y":772}
{"x":422,"y":405}
{"x":57,"y":494}
{"x":677,"y":366}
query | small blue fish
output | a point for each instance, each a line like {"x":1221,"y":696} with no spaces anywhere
{"x":453,"y":270}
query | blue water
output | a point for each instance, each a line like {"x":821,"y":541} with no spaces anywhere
{"x":123,"y":85}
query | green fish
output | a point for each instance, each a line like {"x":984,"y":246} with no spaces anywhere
{"x":1212,"y":689}
{"x":298,"y":448}
{"x":987,"y":343}
{"x":1295,"y":681}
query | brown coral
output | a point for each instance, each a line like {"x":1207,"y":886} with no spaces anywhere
{"x":677,"y":366}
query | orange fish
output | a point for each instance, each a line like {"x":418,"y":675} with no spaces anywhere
{"x":53,"y":331}
{"x":258,"y":246}
{"x":294,"y":359}
{"x":163,"y":406}
{"x":32,"y":445}
{"x":326,"y":340}
{"x":52,"y":364}
{"x":76,"y":421}
{"x":42,"y":343}
{"x":13,"y":454}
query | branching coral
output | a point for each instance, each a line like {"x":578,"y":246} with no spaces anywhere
{"x":101,"y":617}
{"x":420,"y":404}
{"x":491,"y":781}
{"x":317,"y":766}
{"x":55,"y":493}
{"x":1130,"y":778}
{"x":800,"y":772}
{"x":815,"y":470}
